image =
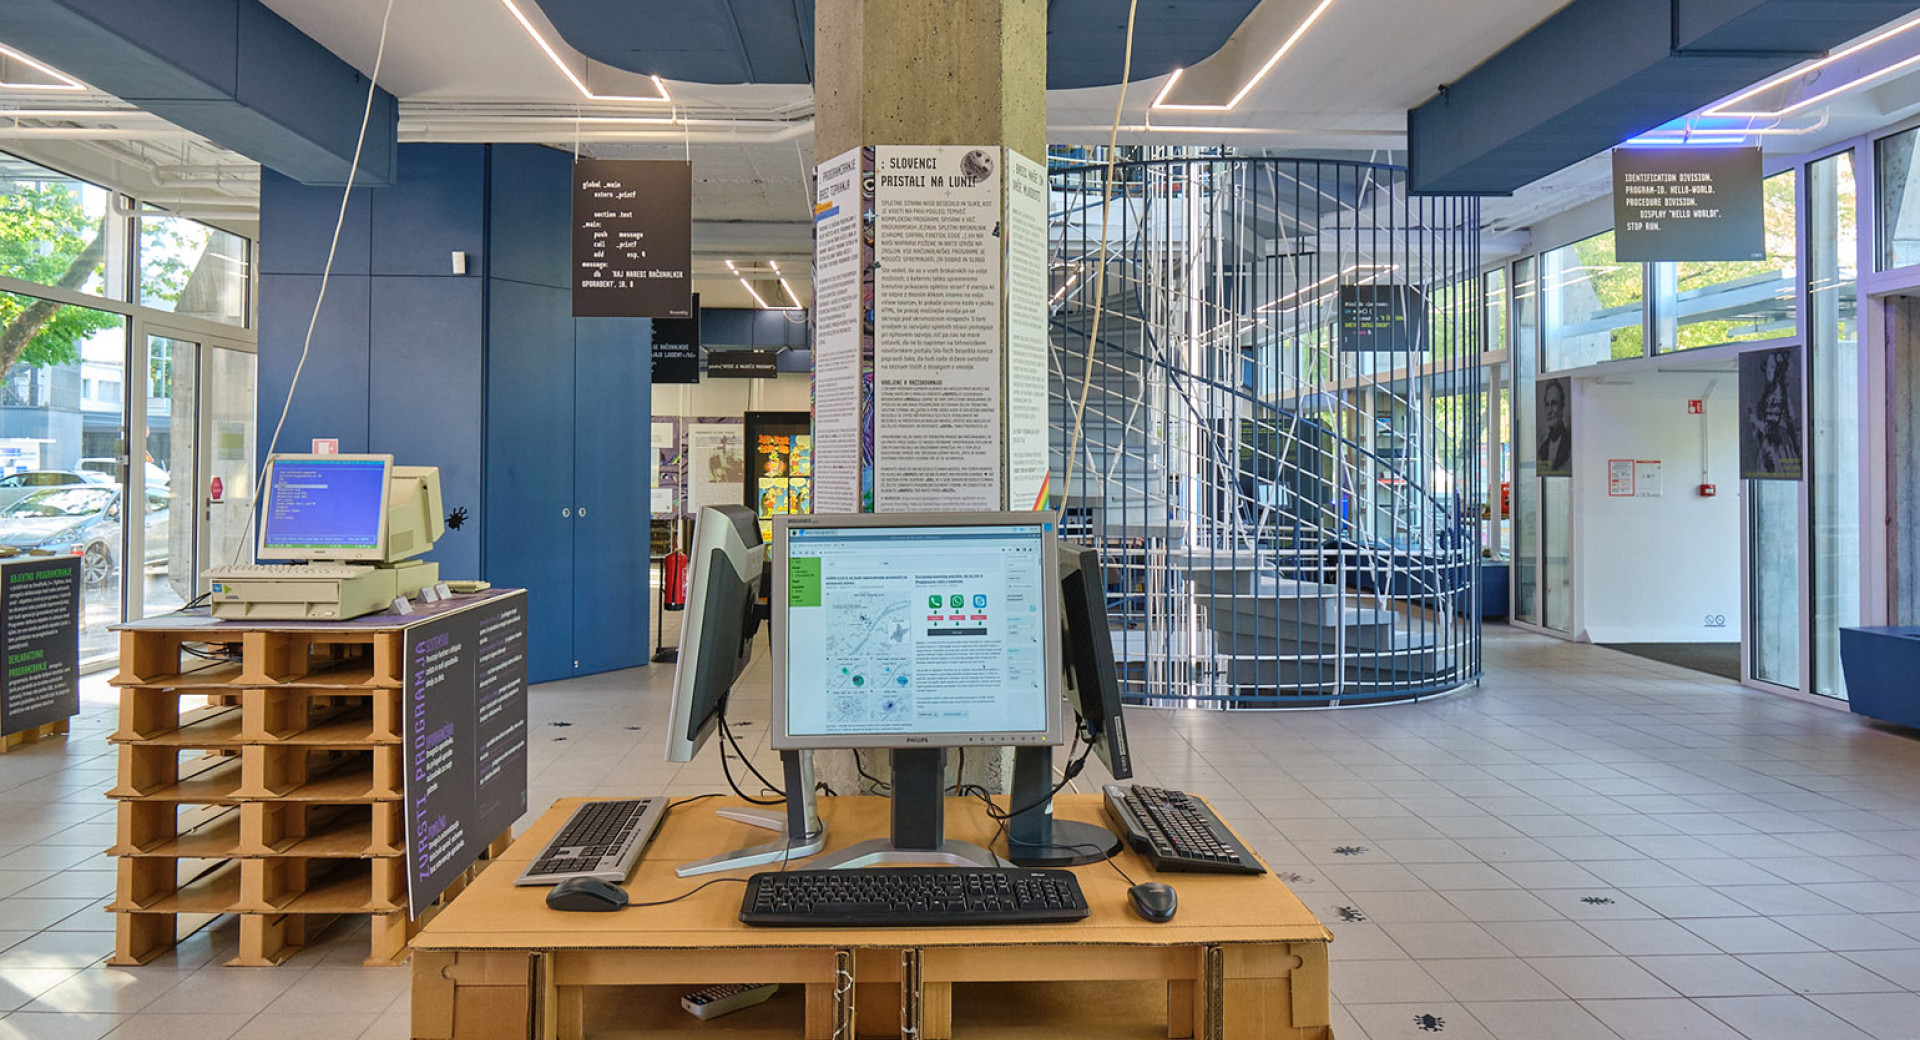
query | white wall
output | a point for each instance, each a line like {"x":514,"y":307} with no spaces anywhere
{"x":1653,"y":570}
{"x":733,"y":398}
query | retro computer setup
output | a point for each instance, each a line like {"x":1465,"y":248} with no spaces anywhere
{"x":351,"y":527}
{"x":914,"y":634}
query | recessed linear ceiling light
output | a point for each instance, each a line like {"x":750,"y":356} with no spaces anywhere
{"x":574,"y":78}
{"x":1725,"y":108}
{"x":66,"y":82}
{"x":1161,"y":102}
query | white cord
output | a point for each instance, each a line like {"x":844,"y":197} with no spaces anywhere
{"x":1100,"y":272}
{"x":366,"y":116}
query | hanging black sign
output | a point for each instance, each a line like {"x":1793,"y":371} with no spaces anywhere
{"x":676,"y":348}
{"x":1771,"y":415}
{"x":39,"y":626}
{"x":742,"y":364}
{"x":1688,"y":204}
{"x":1382,"y":318}
{"x":632,"y":239}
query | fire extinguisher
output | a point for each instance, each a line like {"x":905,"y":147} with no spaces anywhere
{"x":673,"y":596}
{"x":673,"y":581}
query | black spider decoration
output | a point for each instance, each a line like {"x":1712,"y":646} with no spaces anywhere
{"x":1351,"y":913}
{"x":1429,"y":1023}
{"x":456,"y":518}
{"x":1350,"y":850}
{"x":1597,"y":900}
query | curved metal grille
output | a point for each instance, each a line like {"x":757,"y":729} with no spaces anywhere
{"x":1279,"y":425}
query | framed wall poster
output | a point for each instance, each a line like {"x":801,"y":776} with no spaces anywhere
{"x":779,"y":466}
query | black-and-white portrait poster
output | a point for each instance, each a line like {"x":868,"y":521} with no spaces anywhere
{"x":1771,"y":413}
{"x":1553,"y":455}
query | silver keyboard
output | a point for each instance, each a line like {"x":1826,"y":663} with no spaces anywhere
{"x":321,"y":571}
{"x":600,"y":840}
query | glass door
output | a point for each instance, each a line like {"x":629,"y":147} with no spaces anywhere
{"x":196,"y":466}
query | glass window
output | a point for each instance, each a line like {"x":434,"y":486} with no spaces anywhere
{"x":1526,"y":485}
{"x":53,"y":229}
{"x":1897,"y":238}
{"x":189,"y":268}
{"x":1593,"y":305}
{"x":1833,"y":340}
{"x":1773,"y":540}
{"x":47,"y":429}
{"x":1735,"y":301}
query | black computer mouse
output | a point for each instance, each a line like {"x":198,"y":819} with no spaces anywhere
{"x":584,"y":893}
{"x":1154,"y":901}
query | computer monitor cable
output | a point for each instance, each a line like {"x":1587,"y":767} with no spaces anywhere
{"x":326,"y":271}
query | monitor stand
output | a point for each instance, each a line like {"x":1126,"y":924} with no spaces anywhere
{"x":806,"y":835}
{"x":919,"y":822}
{"x":1034,"y":837}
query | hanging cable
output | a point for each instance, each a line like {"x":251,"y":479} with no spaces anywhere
{"x":326,"y":272}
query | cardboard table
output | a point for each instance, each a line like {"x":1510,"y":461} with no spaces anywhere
{"x":1242,"y":958}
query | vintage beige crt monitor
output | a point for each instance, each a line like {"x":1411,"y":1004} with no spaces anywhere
{"x":352,"y":527}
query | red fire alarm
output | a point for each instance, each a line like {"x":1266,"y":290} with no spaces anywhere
{"x":214,"y":489}
{"x":1708,"y":491}
{"x":1696,"y":406}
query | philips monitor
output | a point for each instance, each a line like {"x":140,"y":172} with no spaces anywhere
{"x":720,"y":624}
{"x":326,"y":507}
{"x":1095,"y":679}
{"x":916,"y":630}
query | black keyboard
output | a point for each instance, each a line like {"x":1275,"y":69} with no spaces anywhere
{"x":1176,"y":831}
{"x":912,"y":896}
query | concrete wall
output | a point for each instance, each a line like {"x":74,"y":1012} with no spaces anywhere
{"x":1654,"y":570}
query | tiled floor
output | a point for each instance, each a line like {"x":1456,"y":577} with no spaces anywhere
{"x":1588,"y":846}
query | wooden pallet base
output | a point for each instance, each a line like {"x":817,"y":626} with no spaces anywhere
{"x":21,"y":739}
{"x":269,"y":938}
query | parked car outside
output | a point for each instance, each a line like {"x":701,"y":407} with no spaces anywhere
{"x":16,"y":486}
{"x":83,"y":521}
{"x":108,"y":469}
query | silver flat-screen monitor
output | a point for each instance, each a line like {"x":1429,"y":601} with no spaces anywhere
{"x":717,"y":639}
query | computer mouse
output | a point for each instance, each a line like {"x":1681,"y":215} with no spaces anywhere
{"x":1154,"y":901}
{"x":585,"y":893}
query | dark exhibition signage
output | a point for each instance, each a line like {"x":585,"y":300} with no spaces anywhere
{"x":676,"y":348}
{"x":1688,"y":204}
{"x":742,"y":364}
{"x":1382,"y":318}
{"x":632,"y":239}
{"x":39,"y":618}
{"x":465,"y":748}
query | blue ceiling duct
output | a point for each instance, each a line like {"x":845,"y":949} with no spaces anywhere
{"x":771,"y":41}
{"x":1602,"y":71}
{"x":230,"y":70}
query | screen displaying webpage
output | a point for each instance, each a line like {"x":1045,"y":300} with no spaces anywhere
{"x":907,"y":630}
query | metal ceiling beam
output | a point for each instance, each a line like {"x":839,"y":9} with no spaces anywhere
{"x":1599,"y":72}
{"x":230,"y":70}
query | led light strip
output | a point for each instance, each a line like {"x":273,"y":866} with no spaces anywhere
{"x":579,"y":84}
{"x":1724,"y":109}
{"x":66,"y":82}
{"x":1161,"y":102}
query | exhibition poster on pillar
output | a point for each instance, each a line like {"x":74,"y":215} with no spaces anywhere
{"x":837,"y":316}
{"x":937,"y":328}
{"x":1026,"y":280}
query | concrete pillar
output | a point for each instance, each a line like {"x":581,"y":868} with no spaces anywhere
{"x":930,"y":380}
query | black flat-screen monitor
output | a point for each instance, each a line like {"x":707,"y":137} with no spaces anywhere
{"x":720,"y":624}
{"x":1089,"y":654}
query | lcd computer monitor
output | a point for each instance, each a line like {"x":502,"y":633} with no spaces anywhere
{"x":326,"y":507}
{"x":716,"y":644}
{"x":1095,"y":678}
{"x":916,"y":630}
{"x":717,"y":640}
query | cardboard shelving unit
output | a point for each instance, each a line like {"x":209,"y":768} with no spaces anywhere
{"x":279,"y":800}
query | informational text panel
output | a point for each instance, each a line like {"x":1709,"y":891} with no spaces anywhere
{"x":39,"y":624}
{"x":1026,"y":282}
{"x":837,"y":315}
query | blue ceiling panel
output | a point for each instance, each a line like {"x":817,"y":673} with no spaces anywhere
{"x":1599,"y":72}
{"x":771,"y":41}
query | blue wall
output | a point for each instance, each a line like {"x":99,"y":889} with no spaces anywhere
{"x":476,"y":374}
